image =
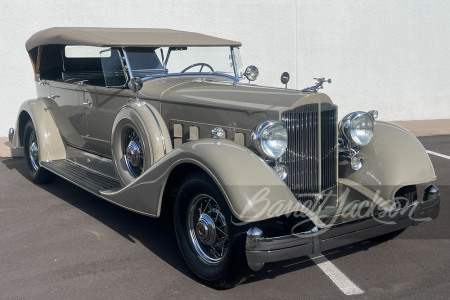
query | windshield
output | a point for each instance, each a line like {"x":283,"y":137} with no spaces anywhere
{"x":146,"y":62}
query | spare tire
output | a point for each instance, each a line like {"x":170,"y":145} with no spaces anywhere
{"x":139,"y":139}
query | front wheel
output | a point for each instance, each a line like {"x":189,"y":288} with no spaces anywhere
{"x":31,"y":153}
{"x":213,"y":247}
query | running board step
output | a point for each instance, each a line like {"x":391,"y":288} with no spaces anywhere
{"x":85,"y":178}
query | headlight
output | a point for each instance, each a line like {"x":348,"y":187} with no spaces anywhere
{"x":357,"y":127}
{"x":270,"y":139}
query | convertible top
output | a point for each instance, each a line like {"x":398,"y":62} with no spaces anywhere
{"x":138,"y":37}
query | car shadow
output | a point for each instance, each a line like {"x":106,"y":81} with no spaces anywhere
{"x":158,"y":235}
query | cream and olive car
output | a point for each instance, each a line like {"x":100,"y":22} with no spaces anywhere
{"x":167,"y":122}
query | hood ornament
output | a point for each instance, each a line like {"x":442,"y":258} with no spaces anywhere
{"x":318,"y":86}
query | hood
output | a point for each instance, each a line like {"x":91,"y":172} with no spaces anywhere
{"x":207,"y":91}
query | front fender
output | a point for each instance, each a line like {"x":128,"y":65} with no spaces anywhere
{"x":253,"y":191}
{"x":51,"y":145}
{"x":393,"y":158}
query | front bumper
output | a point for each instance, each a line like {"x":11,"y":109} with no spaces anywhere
{"x":260,"y":250}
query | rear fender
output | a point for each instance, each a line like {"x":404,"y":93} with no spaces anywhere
{"x":51,"y":145}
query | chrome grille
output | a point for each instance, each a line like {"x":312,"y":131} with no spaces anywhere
{"x":328,"y":116}
{"x":311,"y":170}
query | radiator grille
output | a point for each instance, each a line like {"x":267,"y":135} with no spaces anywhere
{"x":328,"y":146}
{"x":311,"y":170}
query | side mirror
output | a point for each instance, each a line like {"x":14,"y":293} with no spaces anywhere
{"x":135,"y":84}
{"x":251,"y":73}
{"x":285,"y":78}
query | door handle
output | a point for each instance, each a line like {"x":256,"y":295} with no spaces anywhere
{"x":87,"y":102}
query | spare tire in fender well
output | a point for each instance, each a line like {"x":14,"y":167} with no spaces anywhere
{"x":152,"y":142}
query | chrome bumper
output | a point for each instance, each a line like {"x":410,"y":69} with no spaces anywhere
{"x":260,"y":250}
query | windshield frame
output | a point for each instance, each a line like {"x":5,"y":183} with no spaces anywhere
{"x":164,"y":61}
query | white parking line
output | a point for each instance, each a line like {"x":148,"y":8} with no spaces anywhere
{"x":438,"y":154}
{"x":339,"y":278}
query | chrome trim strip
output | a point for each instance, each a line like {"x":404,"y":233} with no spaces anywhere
{"x":95,"y":139}
{"x":159,"y":127}
{"x":88,"y":151}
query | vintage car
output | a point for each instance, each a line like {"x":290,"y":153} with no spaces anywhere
{"x":165,"y":122}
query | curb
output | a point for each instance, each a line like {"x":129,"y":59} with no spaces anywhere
{"x":6,"y":151}
{"x":426,"y":127}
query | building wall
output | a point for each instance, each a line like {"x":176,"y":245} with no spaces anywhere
{"x":392,"y":56}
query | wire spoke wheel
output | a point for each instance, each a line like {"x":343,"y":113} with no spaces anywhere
{"x":33,"y":150}
{"x":133,"y":151}
{"x":31,"y":154}
{"x":211,"y":243}
{"x":207,"y":229}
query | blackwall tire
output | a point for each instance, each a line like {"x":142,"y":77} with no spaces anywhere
{"x":211,"y":244}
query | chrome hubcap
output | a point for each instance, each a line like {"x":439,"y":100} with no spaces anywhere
{"x":34,"y":151}
{"x":207,"y":229}
{"x":133,"y":152}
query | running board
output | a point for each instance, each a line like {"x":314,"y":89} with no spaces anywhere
{"x":83,"y":177}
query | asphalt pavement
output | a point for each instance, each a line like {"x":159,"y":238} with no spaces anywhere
{"x":60,"y":242}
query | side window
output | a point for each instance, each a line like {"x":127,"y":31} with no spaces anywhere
{"x":113,"y":69}
{"x":81,"y":64}
{"x":83,"y":51}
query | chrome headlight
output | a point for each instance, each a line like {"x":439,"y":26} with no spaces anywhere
{"x":270,"y":139}
{"x":357,"y":128}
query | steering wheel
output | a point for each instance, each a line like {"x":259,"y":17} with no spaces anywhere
{"x":198,"y":64}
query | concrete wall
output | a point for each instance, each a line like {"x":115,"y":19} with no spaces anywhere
{"x":381,"y":54}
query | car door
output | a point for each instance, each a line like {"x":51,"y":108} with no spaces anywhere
{"x":106,"y":102}
{"x":100,"y":115}
{"x":66,"y":106}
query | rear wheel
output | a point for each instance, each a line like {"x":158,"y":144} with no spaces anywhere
{"x":213,"y":247}
{"x":31,"y":153}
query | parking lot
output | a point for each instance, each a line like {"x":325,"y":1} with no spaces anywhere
{"x":58,"y":241}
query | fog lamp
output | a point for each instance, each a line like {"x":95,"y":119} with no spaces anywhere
{"x":356,"y":162}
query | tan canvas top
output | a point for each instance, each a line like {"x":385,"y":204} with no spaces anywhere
{"x":97,"y":36}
